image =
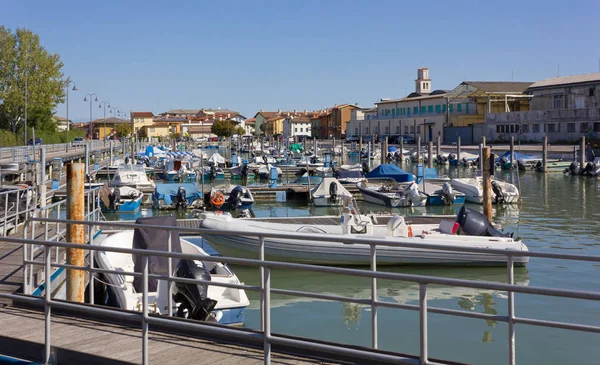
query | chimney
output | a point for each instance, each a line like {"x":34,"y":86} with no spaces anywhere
{"x":294,"y":111}
{"x":279,"y":111}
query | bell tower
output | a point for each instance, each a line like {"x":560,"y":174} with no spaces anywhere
{"x":423,"y":82}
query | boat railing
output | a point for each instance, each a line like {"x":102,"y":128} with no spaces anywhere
{"x":16,"y":206}
{"x":265,"y":290}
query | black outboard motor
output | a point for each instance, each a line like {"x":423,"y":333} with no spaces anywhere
{"x":333,"y":191}
{"x":475,"y":223}
{"x":365,"y":167}
{"x":114,"y":199}
{"x":213,"y":171}
{"x":313,"y":159}
{"x":193,"y":299}
{"x":498,"y":192}
{"x":588,"y":169}
{"x":126,"y":160}
{"x":573,"y":168}
{"x":244,"y":171}
{"x":180,"y":199}
{"x":235,"y":197}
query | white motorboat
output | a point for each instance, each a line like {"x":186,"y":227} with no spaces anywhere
{"x":264,"y":171}
{"x":122,"y":199}
{"x":329,"y":193}
{"x":392,"y":195}
{"x":350,"y":174}
{"x":423,"y":231}
{"x":195,"y":301}
{"x":503,"y":192}
{"x":133,"y":176}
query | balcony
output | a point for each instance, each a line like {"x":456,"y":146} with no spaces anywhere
{"x":559,"y":115}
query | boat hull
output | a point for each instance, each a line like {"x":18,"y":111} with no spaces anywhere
{"x":325,"y":201}
{"x":127,"y":206}
{"x":437,"y":200}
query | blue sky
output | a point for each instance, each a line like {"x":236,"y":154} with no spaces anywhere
{"x":252,"y":55}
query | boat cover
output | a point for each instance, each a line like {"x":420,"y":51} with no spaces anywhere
{"x":392,"y":149}
{"x":390,"y":171}
{"x":216,"y":159}
{"x":323,"y":188}
{"x":168,"y":192}
{"x":517,"y":156}
{"x":157,"y":240}
{"x":341,"y":174}
{"x":296,"y":147}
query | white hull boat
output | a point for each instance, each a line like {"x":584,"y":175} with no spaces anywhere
{"x":502,"y":191}
{"x":329,"y":193}
{"x":397,"y":231}
{"x":393,"y":196}
{"x":133,"y":176}
{"x":189,"y":300}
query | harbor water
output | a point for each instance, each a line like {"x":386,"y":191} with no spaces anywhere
{"x":557,"y":214}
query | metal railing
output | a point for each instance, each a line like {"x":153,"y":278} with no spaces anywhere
{"x":25,"y":153}
{"x":54,"y":232}
{"x":16,"y":205}
{"x":266,"y":290}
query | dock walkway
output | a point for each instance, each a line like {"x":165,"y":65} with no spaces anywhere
{"x":83,"y":341}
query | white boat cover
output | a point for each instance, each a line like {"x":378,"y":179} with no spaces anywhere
{"x":323,"y":189}
{"x":216,"y":159}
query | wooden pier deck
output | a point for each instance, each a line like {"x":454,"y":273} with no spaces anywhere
{"x":78,"y":340}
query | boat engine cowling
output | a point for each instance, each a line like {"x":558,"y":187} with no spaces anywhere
{"x":498,"y":192}
{"x":114,"y":199}
{"x":447,"y":194}
{"x":333,"y":191}
{"x":396,"y":227}
{"x":235,"y":197}
{"x":475,"y":223}
{"x":181,"y":201}
{"x":193,"y":297}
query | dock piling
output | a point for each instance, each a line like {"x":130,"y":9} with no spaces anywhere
{"x":582,"y":153}
{"x":418,"y":149}
{"x":481,"y":157}
{"x":42,"y":175}
{"x":385,"y":150}
{"x":458,"y":149}
{"x":487,"y":181}
{"x":545,"y":154}
{"x":359,"y":147}
{"x":430,"y":154}
{"x":87,"y":159}
{"x":401,"y":151}
{"x":75,"y":232}
{"x":438,"y":147}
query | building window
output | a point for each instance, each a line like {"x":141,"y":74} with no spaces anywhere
{"x":517,"y":128}
{"x":444,"y":108}
{"x":367,"y":130}
{"x":151,"y":129}
{"x":356,"y":130}
{"x":459,"y":107}
{"x":419,"y":129}
{"x":596,"y":127}
{"x":498,"y":128}
{"x":408,"y":111}
{"x":416,"y":110}
{"x":571,"y":128}
{"x":451,"y":108}
{"x":438,"y":109}
{"x":296,"y":130}
{"x":423,"y":110}
{"x":592,"y":90}
{"x":583,"y":127}
{"x":412,"y":129}
{"x":393,"y":113}
{"x":536,"y":128}
{"x":512,"y":127}
{"x":557,"y":101}
{"x":467,"y":108}
{"x":525,"y":128}
{"x":551,"y":128}
{"x":398,"y":128}
{"x":405,"y":129}
{"x":430,"y":109}
{"x":387,"y":130}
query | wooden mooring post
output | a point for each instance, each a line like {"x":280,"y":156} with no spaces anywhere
{"x":75,"y":232}
{"x":401,"y":151}
{"x":429,"y":154}
{"x":418,"y":149}
{"x":488,"y":170}
{"x":545,"y":154}
{"x":582,"y":153}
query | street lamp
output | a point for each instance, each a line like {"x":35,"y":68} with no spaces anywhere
{"x":68,"y":121}
{"x":26,"y":71}
{"x":105,"y":103}
{"x":95,"y":98}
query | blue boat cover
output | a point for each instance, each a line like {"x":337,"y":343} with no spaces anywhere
{"x":168,"y":192}
{"x":392,"y":149}
{"x":390,"y":171}
{"x":517,"y":156}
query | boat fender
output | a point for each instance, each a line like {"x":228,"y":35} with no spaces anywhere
{"x":410,"y":231}
{"x":217,"y":199}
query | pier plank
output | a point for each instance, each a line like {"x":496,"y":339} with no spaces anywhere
{"x":78,"y":341}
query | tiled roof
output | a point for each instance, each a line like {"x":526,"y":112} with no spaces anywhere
{"x":251,"y":121}
{"x":301,"y":119}
{"x":566,"y":80}
{"x":183,"y":111}
{"x":499,"y":86}
{"x":142,"y":114}
{"x":100,"y":121}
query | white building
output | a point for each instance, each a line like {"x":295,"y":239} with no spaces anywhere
{"x":296,"y":126}
{"x":422,"y":113}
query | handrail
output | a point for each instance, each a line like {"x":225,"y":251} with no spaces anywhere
{"x":265,"y":289}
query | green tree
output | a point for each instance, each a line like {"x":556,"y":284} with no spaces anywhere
{"x":123,"y":129}
{"x":23,"y":59}
{"x":223,"y":128}
{"x":240,"y":131}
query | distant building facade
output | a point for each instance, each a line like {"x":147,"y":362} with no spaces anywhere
{"x":562,"y":108}
{"x":296,"y":126}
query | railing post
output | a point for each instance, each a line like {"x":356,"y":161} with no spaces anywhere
{"x":373,"y":297}
{"x":169,"y":283}
{"x":511,"y":312}
{"x":91,"y":263}
{"x":261,"y":257}
{"x":47,"y":308}
{"x":423,"y":322}
{"x":267,"y":316}
{"x":145,"y":311}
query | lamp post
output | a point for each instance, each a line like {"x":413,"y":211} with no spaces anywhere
{"x":93,"y":97}
{"x":68,"y":121}
{"x":115,"y":110}
{"x":104,"y":103}
{"x":26,"y":71}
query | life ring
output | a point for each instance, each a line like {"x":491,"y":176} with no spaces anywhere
{"x":217,"y":199}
